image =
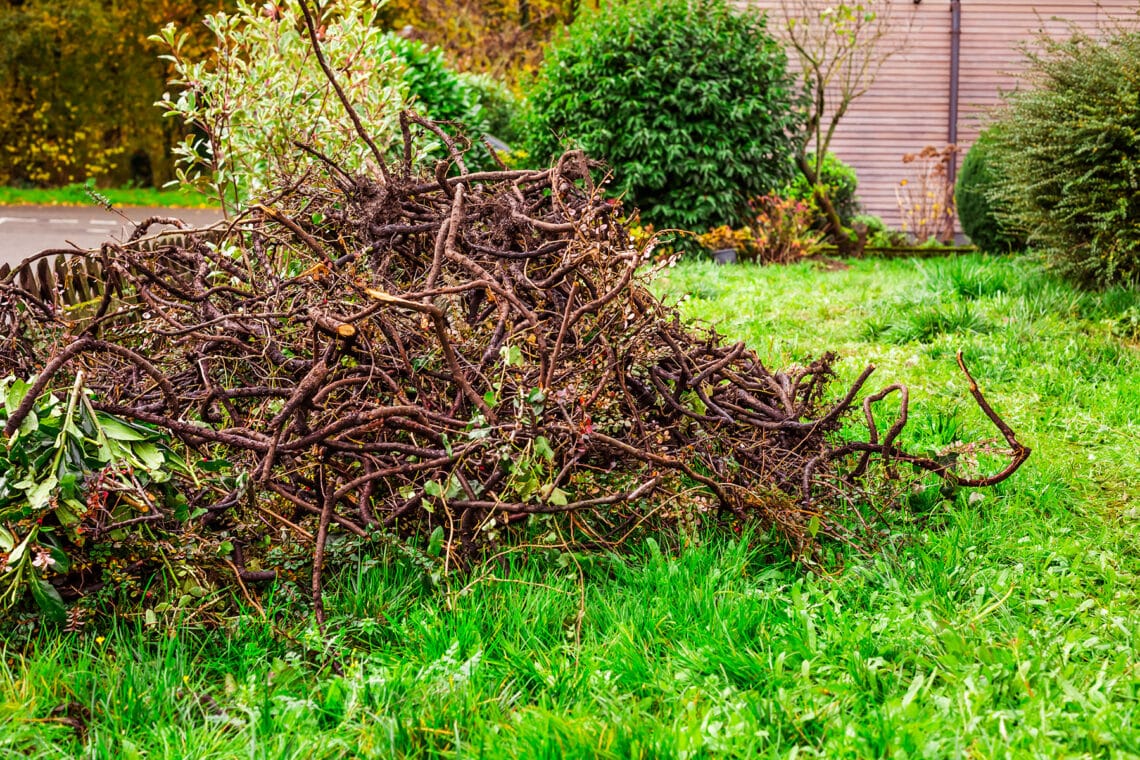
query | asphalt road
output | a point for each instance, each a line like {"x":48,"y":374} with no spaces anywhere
{"x":26,"y":230}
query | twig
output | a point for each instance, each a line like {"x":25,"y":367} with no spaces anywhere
{"x":381,"y":163}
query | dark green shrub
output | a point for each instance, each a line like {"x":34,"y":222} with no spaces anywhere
{"x":841,"y":183}
{"x":434,"y":88}
{"x":443,"y":94}
{"x":498,"y":105}
{"x":689,"y":101}
{"x":978,"y":181}
{"x":1069,"y":145}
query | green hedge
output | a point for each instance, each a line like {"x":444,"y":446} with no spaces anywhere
{"x":1069,"y":146}
{"x":476,"y":104}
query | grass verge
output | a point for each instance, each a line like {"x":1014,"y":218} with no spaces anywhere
{"x":1000,"y":624}
{"x":80,"y":195}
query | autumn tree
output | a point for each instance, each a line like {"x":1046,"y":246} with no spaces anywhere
{"x":505,"y":38}
{"x":78,"y":82}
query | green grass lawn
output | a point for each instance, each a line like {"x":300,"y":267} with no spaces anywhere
{"x":1002,"y":623}
{"x":78,"y":195}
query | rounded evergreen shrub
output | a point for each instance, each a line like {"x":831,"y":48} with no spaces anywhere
{"x":689,"y":101}
{"x":978,"y":212}
{"x":1069,"y":146}
{"x":841,"y":182}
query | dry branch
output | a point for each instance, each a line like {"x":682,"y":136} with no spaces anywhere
{"x":414,"y":353}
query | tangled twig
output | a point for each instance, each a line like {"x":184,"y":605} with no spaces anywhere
{"x":462,"y":352}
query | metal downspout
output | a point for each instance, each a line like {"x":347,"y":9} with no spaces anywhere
{"x":955,"y":66}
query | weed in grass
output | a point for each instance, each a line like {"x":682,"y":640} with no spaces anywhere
{"x":1116,"y":302}
{"x":968,"y":277}
{"x":705,"y":291}
{"x":1127,"y":325}
{"x":1039,"y":299}
{"x":923,"y":322}
{"x":938,"y":428}
{"x":877,"y":325}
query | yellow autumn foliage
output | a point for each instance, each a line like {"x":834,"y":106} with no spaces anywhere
{"x":78,"y":83}
{"x":505,"y":38}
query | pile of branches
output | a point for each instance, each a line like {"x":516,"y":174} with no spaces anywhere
{"x":404,"y":353}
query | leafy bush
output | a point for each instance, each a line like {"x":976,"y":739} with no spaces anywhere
{"x":689,"y":101}
{"x":874,"y":224}
{"x":263,"y":89}
{"x":499,"y":106}
{"x":723,"y":238}
{"x":841,"y":183}
{"x":978,"y":182}
{"x":779,"y":231}
{"x":433,"y":88}
{"x":782,"y":229}
{"x":1069,"y":146}
{"x":879,"y":235}
{"x":76,"y":484}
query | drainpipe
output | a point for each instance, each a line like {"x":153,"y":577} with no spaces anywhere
{"x":955,"y":61}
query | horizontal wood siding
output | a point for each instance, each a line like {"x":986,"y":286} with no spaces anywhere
{"x":908,"y":106}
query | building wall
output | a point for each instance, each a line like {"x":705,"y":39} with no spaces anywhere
{"x":908,"y":106}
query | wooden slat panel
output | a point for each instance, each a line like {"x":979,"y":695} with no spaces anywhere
{"x":908,"y":106}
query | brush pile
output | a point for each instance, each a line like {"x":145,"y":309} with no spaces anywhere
{"x":461,"y":351}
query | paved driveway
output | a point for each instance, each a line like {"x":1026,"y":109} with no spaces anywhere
{"x":25,"y":230}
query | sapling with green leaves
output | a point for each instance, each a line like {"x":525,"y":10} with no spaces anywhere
{"x":838,"y":50}
{"x":263,"y":91}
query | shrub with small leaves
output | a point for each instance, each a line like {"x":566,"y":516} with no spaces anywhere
{"x":1069,"y":149}
{"x":262,"y":90}
{"x":724,"y":238}
{"x":689,"y":101}
{"x":782,"y":229}
{"x":978,"y":182}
